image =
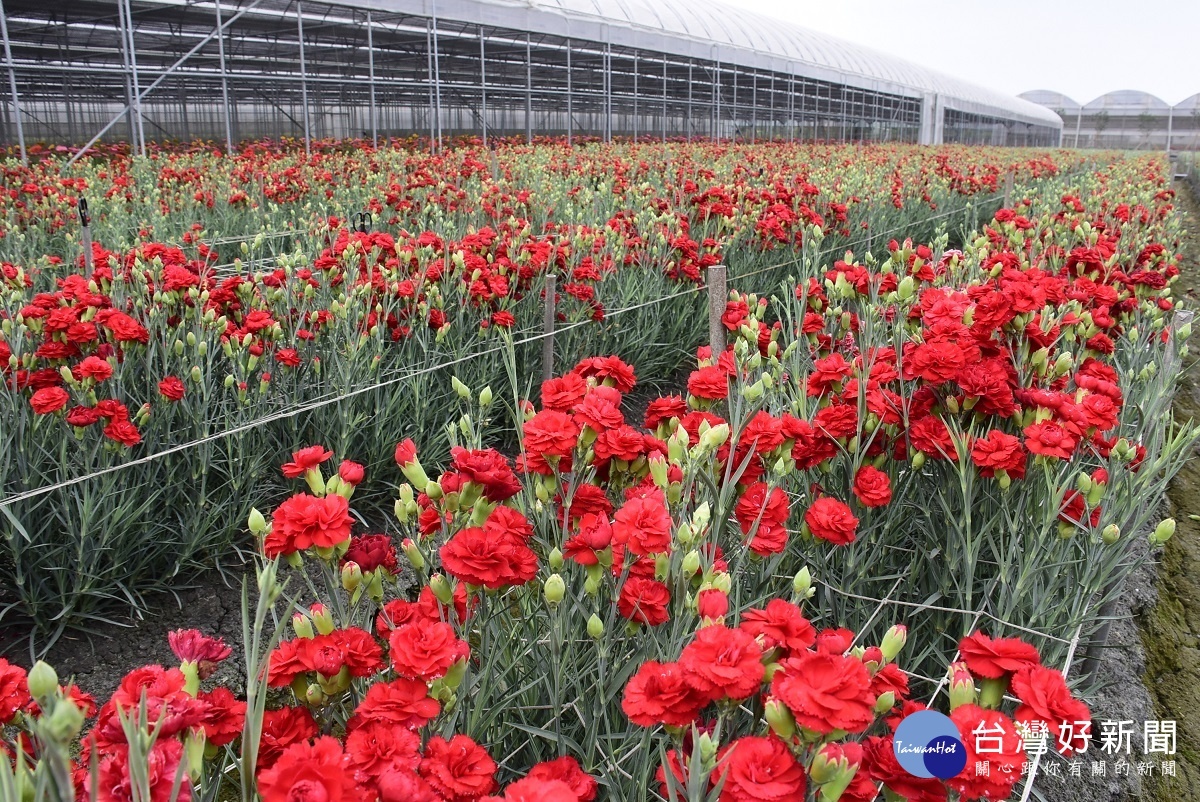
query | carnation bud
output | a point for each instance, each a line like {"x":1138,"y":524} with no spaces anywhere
{"x":595,"y":627}
{"x":413,"y":553}
{"x":314,"y":696}
{"x":42,"y":681}
{"x":463,"y":390}
{"x":714,"y":438}
{"x":893,"y":642}
{"x":257,"y":523}
{"x":591,"y":585}
{"x":918,"y":460}
{"x":302,"y":626}
{"x":1111,"y":534}
{"x":352,"y":576}
{"x":712,"y":604}
{"x":691,"y":563}
{"x":322,"y":618}
{"x":662,"y":566}
{"x":65,"y":722}
{"x":456,"y":674}
{"x":962,"y":686}
{"x":991,"y":695}
{"x":1163,"y":532}
{"x":554,"y":590}
{"x":658,"y":470}
{"x":802,"y":585}
{"x":1063,"y":365}
{"x":555,"y":559}
{"x":485,"y":397}
{"x":442,"y":589}
{"x":906,"y":288}
{"x":885,"y":701}
{"x":779,"y":718}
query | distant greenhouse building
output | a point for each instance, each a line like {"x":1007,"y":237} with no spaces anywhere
{"x":1125,"y":120}
{"x":236,"y":69}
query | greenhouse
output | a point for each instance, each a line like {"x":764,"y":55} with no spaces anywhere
{"x":141,"y":70}
{"x":1125,"y":119}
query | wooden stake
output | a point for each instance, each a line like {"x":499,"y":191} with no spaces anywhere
{"x":717,"y":296}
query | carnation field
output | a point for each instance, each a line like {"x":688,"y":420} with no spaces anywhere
{"x":932,"y":441}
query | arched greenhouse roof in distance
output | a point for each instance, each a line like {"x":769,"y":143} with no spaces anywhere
{"x":1127,"y":101}
{"x":706,"y":29}
{"x":1051,"y":100}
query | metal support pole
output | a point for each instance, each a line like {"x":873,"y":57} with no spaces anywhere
{"x":733,"y":105}
{"x":772,"y":128}
{"x":607,"y":92}
{"x":137,"y":85}
{"x":716,"y":90}
{"x":548,"y":319}
{"x":1170,"y":126}
{"x":371,"y":76}
{"x":429,"y":56}
{"x":1008,"y":189}
{"x":482,"y":87}
{"x":224,"y":81}
{"x":753,"y":107}
{"x":529,"y":90}
{"x":303,"y":80}
{"x":635,"y":96}
{"x":688,"y":122}
{"x":128,"y":79}
{"x":570,"y":110}
{"x":1078,"y":124}
{"x":12,"y":85}
{"x":791,"y":107}
{"x":717,"y":296}
{"x":437,"y":80}
{"x":664,"y":116}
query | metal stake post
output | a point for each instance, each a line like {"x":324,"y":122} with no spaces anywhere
{"x":753,"y":107}
{"x":303,"y":80}
{"x":85,"y":237}
{"x":548,"y":319}
{"x":371,"y":75}
{"x":224,"y":81}
{"x":717,"y":296}
{"x":128,"y":79}
{"x":12,"y":85}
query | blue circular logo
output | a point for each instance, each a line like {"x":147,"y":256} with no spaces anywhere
{"x":928,"y":744}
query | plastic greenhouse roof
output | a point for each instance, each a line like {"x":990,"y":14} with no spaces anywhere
{"x":1127,"y":100}
{"x":712,"y":30}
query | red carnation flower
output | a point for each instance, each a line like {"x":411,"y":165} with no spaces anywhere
{"x":996,"y":658}
{"x":644,"y":600}
{"x":459,"y":769}
{"x":305,"y":521}
{"x":315,"y":771}
{"x":49,"y":399}
{"x":566,"y":770}
{"x":987,"y":735}
{"x":831,"y":520}
{"x":826,"y":691}
{"x":425,"y":649}
{"x":171,"y":388}
{"x":662,"y":693}
{"x":305,"y":460}
{"x":872,"y":487}
{"x":781,"y":625}
{"x":723,"y":662}
{"x":754,"y":769}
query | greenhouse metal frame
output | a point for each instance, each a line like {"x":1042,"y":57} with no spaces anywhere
{"x":228,"y":70}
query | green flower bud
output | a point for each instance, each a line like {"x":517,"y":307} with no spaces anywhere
{"x":42,"y":681}
{"x":485,"y":397}
{"x":554,"y":590}
{"x":257,"y":523}
{"x":691,"y":563}
{"x":442,"y":588}
{"x":1111,"y":534}
{"x":893,"y":642}
{"x":1163,"y":532}
{"x":779,"y":718}
{"x":463,"y":390}
{"x":802,"y":585}
{"x":595,"y":627}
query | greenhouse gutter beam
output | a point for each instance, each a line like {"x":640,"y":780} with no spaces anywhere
{"x":196,"y":49}
{"x":12,"y":85}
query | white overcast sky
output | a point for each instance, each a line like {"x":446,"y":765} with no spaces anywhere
{"x":1082,"y":48}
